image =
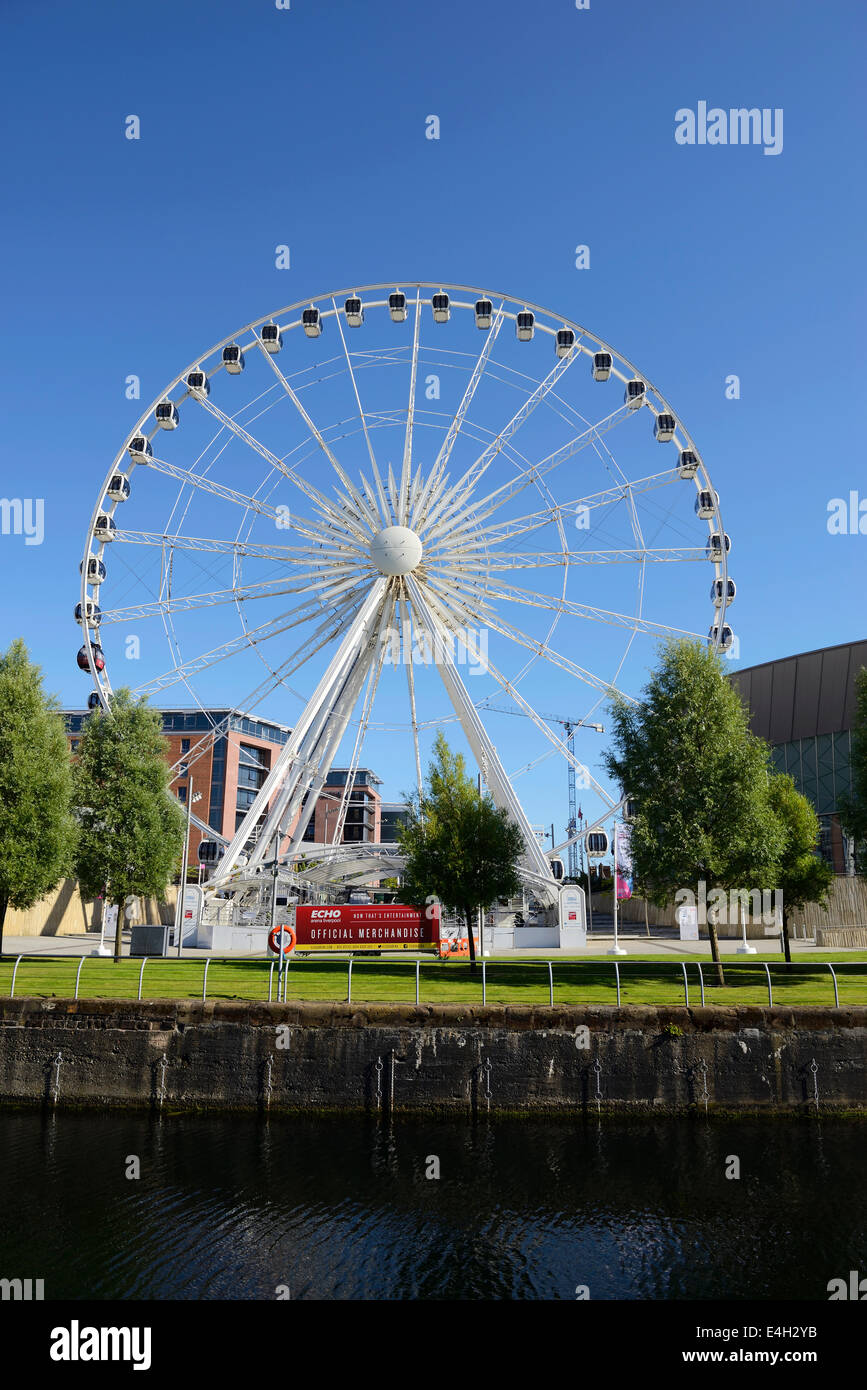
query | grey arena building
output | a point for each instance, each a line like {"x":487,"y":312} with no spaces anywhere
{"x":804,"y":707}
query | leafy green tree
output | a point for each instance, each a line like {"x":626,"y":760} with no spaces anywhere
{"x":700,"y":779}
{"x":802,"y":877}
{"x":853,"y":807}
{"x":460,"y":847}
{"x":37,"y":830}
{"x":131,"y":829}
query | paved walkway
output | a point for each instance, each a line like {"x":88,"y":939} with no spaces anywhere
{"x":598,"y":944}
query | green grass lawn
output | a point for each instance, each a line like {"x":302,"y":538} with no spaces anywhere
{"x":590,"y":980}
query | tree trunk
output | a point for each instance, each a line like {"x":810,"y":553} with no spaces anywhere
{"x":118,"y":943}
{"x":787,"y":952}
{"x":4,"y":903}
{"x":714,"y":950}
{"x":468,"y":914}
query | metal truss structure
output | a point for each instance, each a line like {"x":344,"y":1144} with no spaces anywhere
{"x":419,"y":552}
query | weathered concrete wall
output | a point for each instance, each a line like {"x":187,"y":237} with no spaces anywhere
{"x":186,"y":1054}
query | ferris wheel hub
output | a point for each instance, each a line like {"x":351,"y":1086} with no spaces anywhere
{"x":396,"y":550}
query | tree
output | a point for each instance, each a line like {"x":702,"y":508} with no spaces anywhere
{"x":700,"y":780}
{"x":803,"y":877}
{"x":131,"y":829}
{"x":460,"y":847}
{"x":37,"y":830}
{"x":853,"y":807}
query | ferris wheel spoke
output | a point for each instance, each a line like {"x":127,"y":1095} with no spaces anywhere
{"x":205,"y":484}
{"x":551,"y":559}
{"x":286,"y":554}
{"x":456,"y":594}
{"x":248,"y":638}
{"x":268,"y":588}
{"x":403,"y":511}
{"x":319,"y":500}
{"x":551,"y":603}
{"x":318,"y":436}
{"x":472,"y":515}
{"x":442,"y":458}
{"x":466,"y":485}
{"x":361,"y":414}
{"x":534,"y":521}
{"x":551,"y":655}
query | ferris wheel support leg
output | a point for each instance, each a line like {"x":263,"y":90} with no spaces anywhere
{"x":533,"y":859}
{"x":324,"y":737}
{"x":336,"y":673}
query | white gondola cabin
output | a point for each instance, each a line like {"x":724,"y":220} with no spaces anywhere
{"x":721,"y":638}
{"x":440,"y":304}
{"x":484,"y":313}
{"x":354,"y":311}
{"x":198,"y":383}
{"x":635,"y":394}
{"x":565,"y":341}
{"x":714,"y":547}
{"x":104,"y":527}
{"x":166,"y":415}
{"x":601,"y":366}
{"x":140,"y":449}
{"x":687,"y":464}
{"x":397,"y":306}
{"x":311,"y":322}
{"x":90,"y":613}
{"x":233,"y":359}
{"x":664,"y":428}
{"x":95,"y":570}
{"x":93,"y":700}
{"x":596,"y":843}
{"x":118,"y":488}
{"x":706,"y":505}
{"x":716,"y":592}
{"x":525,"y":326}
{"x":272,"y":338}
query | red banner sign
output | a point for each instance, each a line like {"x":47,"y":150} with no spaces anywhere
{"x":377,"y":927}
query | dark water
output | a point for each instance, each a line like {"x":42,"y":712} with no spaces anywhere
{"x":231,"y":1208}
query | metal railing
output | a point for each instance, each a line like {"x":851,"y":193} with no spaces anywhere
{"x":592,"y":970}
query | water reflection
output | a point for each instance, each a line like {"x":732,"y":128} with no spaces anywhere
{"x":230,"y":1207}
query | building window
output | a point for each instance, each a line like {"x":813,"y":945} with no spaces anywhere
{"x":185,"y":745}
{"x":182,"y":792}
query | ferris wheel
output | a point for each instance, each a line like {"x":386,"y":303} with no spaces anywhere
{"x":387,"y":509}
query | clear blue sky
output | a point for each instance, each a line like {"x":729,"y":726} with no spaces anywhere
{"x":307,"y":127}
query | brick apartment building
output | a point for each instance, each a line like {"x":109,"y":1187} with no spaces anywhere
{"x":228,"y":773}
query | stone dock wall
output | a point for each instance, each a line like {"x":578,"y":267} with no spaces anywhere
{"x":231,"y":1055}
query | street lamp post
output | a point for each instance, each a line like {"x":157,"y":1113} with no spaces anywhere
{"x":616,"y":949}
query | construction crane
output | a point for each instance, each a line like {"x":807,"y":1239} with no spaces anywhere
{"x":569,"y":725}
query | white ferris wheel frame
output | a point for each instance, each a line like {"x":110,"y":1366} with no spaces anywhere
{"x":300,"y":771}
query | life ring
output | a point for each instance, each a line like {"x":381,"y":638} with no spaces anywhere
{"x":288,"y":939}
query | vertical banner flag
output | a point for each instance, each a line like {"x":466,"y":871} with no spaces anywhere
{"x":623,"y":855}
